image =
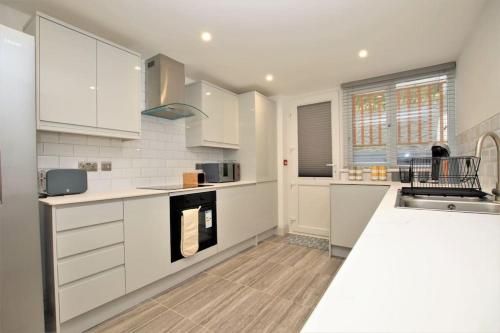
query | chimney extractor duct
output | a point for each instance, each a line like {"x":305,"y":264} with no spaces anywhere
{"x":165,"y":84}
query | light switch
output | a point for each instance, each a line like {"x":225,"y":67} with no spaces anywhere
{"x":106,"y":166}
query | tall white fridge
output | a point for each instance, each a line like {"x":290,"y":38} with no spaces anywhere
{"x":21,"y":293}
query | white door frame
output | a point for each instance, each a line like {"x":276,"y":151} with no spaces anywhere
{"x":295,"y":182}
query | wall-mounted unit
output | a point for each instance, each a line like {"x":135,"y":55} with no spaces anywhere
{"x":221,"y":128}
{"x":85,"y":84}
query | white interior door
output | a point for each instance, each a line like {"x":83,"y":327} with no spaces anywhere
{"x":309,"y":197}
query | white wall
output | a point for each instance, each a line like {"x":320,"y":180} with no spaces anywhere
{"x":13,"y":18}
{"x":478,"y":70}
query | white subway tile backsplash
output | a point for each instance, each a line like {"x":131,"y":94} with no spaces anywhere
{"x":73,"y":139}
{"x":110,"y":151}
{"x":68,"y":162}
{"x":159,"y":157}
{"x":57,"y":149}
{"x":84,"y":150}
{"x":121,"y":163}
{"x":149,"y":172}
{"x":121,"y":183}
{"x":99,"y":141}
{"x":48,"y":137}
{"x":48,"y":162}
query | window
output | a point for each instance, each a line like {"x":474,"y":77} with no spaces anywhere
{"x":314,"y":127}
{"x":388,"y":120}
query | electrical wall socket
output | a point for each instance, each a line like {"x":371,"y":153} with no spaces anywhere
{"x":106,"y":166}
{"x":87,"y":166}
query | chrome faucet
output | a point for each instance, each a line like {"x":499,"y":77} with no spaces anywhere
{"x":479,"y":147}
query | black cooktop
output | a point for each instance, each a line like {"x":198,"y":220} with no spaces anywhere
{"x":173,"y":187}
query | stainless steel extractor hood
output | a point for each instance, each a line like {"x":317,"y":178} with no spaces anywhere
{"x":165,"y":81}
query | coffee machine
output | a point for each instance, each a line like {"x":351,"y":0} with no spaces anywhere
{"x":439,"y":150}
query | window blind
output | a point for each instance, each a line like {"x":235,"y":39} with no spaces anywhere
{"x":390,"y":119}
{"x":314,"y":140}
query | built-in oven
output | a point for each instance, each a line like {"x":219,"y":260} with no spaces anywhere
{"x":207,"y":220}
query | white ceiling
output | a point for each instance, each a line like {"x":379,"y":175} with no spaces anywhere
{"x":307,"y":44}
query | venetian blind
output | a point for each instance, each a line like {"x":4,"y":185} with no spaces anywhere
{"x":314,"y":140}
{"x":390,"y":119}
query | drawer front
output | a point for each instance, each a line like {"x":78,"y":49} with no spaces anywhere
{"x":87,"y":264}
{"x":89,"y":214}
{"x":87,"y":294}
{"x":81,"y":240}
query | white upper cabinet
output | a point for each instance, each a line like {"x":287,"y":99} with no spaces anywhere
{"x":231,"y":120}
{"x":118,"y":80}
{"x":258,"y":141}
{"x":266,"y":138}
{"x":85,"y":85}
{"x":67,"y":75}
{"x":221,"y":128}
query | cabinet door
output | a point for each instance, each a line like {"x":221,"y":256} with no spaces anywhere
{"x":147,"y":240}
{"x":213,"y":106}
{"x":67,"y":75}
{"x":352,"y":207}
{"x":266,"y":216}
{"x":231,"y":120}
{"x":118,"y":88}
{"x":236,"y":219}
{"x":266,"y":140}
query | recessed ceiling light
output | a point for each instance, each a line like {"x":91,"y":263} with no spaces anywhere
{"x":206,"y":36}
{"x":269,"y":77}
{"x":208,"y":93}
{"x":137,"y":68}
{"x":363,"y":53}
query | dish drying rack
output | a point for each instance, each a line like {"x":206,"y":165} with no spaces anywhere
{"x":442,"y":176}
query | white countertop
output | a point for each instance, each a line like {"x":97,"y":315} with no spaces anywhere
{"x":129,"y":193}
{"x":365,"y":182}
{"x":416,"y":271}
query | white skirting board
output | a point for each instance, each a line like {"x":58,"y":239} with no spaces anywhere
{"x":113,"y":308}
{"x":339,"y":251}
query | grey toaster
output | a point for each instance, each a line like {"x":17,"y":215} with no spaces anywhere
{"x":65,"y":181}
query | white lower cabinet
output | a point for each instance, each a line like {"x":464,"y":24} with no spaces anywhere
{"x":98,"y":252}
{"x":236,"y":221}
{"x":266,"y":212}
{"x":244,"y":212}
{"x":89,"y":238}
{"x":83,"y":256}
{"x":89,"y":263}
{"x":147,"y":240}
{"x":87,"y":294}
{"x":352,"y":207}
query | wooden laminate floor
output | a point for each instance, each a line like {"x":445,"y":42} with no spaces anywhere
{"x":272,"y":287}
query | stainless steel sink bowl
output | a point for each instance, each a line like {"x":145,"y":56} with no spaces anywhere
{"x":465,"y":205}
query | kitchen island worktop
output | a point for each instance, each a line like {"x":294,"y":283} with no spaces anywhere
{"x":416,"y":271}
{"x":130,"y":193}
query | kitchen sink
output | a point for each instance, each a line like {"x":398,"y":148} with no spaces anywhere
{"x":466,"y":205}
